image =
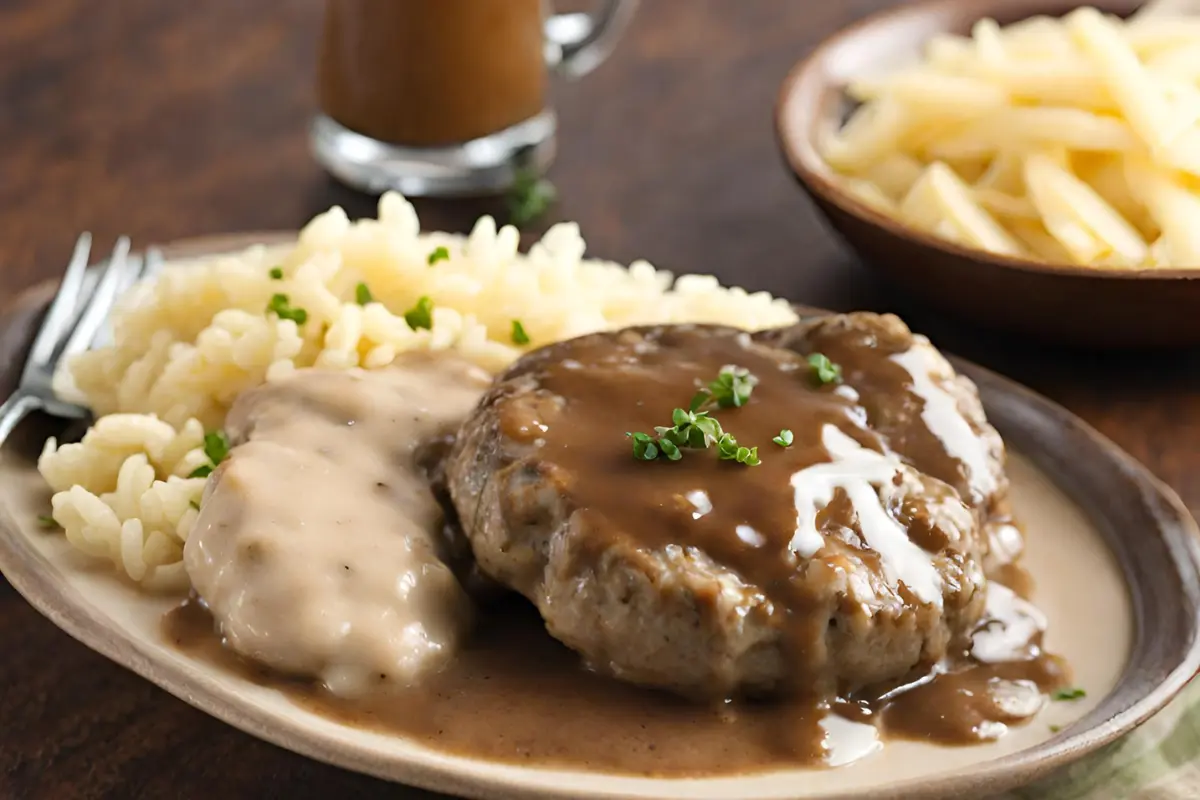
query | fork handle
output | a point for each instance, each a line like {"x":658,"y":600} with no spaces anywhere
{"x":13,"y":410}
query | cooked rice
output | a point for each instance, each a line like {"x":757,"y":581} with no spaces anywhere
{"x":188,"y":342}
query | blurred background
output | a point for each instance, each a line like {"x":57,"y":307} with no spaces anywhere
{"x":163,"y":120}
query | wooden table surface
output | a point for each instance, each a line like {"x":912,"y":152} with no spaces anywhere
{"x":165,"y":119}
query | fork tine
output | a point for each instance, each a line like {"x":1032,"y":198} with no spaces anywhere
{"x":62,"y":310}
{"x":152,"y":263}
{"x":131,"y":275}
{"x":101,"y":301}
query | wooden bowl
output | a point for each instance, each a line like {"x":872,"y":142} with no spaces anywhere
{"x":1061,"y":303}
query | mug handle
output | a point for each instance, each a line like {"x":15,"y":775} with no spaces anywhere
{"x":577,"y":43}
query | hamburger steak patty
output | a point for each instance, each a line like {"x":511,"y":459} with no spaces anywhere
{"x":832,"y":565}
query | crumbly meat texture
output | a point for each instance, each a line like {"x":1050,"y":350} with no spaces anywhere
{"x":672,"y":617}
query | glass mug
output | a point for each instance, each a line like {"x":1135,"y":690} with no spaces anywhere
{"x":447,"y":97}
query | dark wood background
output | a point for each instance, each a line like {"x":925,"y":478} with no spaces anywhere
{"x":169,"y":119}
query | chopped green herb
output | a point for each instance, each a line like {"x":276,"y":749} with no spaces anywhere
{"x":690,"y":429}
{"x":731,"y":389}
{"x":733,"y":386}
{"x":420,"y":315}
{"x":439,"y":253}
{"x":695,"y":429}
{"x":1055,"y":728}
{"x":784,"y":439}
{"x":362,"y":294}
{"x":282,"y":308}
{"x":519,"y":336}
{"x":47,"y":521}
{"x":824,"y":370}
{"x":529,"y":197}
{"x":644,"y":448}
{"x":729,"y":450}
{"x":194,"y":505}
{"x":276,"y":273}
{"x":216,"y":446}
{"x":727,"y":446}
{"x":1072,"y":693}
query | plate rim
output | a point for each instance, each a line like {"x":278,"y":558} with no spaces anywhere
{"x":60,"y":604}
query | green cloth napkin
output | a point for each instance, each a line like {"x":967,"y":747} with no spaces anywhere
{"x":1158,"y":761}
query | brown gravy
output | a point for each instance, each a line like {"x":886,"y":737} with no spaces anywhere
{"x":431,"y":72}
{"x":913,"y":548}
{"x":516,"y":695}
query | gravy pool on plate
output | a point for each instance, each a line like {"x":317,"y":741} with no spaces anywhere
{"x":795,"y":607}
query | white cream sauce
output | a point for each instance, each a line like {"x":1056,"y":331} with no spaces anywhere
{"x":847,"y":391}
{"x":700,"y":502}
{"x":318,"y":546}
{"x":750,"y":536}
{"x":1005,"y":542}
{"x":942,"y":416}
{"x":863,"y":475}
{"x":1013,"y":624}
{"x":847,"y":741}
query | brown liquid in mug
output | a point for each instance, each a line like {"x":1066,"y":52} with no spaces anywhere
{"x":427,"y":73}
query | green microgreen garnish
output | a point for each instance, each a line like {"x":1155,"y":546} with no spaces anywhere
{"x":824,"y":370}
{"x":670,"y":449}
{"x":281,"y":307}
{"x":691,"y":429}
{"x":784,"y":439}
{"x":1072,"y":693}
{"x":276,"y":273}
{"x":729,"y":450}
{"x":216,"y":448}
{"x":362,"y":294}
{"x":529,"y":197}
{"x":519,"y":336}
{"x":644,"y":446}
{"x":694,"y":430}
{"x":47,"y":521}
{"x":1055,"y":728}
{"x":439,"y":253}
{"x":420,"y":315}
{"x":731,"y":389}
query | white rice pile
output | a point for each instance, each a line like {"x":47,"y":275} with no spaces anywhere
{"x":188,"y":342}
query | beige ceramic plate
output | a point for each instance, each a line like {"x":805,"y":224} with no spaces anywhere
{"x":1107,"y":542}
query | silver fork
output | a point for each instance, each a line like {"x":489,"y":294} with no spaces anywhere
{"x":72,"y":322}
